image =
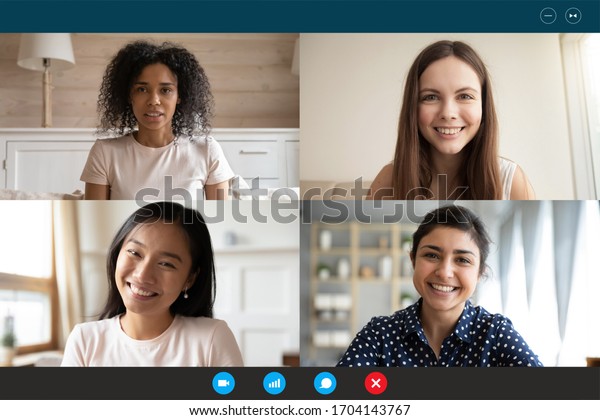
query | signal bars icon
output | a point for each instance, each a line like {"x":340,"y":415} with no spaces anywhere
{"x":274,"y":383}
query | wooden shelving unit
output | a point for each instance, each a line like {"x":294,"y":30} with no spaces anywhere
{"x":379,"y":274}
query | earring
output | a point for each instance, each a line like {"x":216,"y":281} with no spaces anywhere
{"x":185,"y":294}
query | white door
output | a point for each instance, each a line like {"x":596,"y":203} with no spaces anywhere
{"x":258,"y":296}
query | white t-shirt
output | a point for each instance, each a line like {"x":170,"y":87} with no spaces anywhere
{"x":130,"y":168}
{"x":189,"y":341}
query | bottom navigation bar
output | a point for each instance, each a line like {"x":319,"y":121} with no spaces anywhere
{"x":300,"y":383}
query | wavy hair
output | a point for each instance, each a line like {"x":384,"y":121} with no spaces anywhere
{"x":201,"y":294}
{"x":413,"y":173}
{"x":195,"y":108}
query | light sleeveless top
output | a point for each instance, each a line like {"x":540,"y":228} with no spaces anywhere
{"x":507,"y":172}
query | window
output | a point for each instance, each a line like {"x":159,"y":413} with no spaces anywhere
{"x":27,"y":280}
{"x":547,"y":275}
{"x":581,"y":63}
{"x":591,"y":68}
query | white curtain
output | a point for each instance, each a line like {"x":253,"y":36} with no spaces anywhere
{"x":504,"y":259}
{"x":591,"y":214}
{"x":566,"y":225}
{"x":512,"y":273}
{"x":68,"y":272}
{"x":537,"y":232}
{"x":549,"y":287}
{"x":580,"y":323}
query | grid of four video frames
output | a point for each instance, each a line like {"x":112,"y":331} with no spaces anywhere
{"x":269,"y":201}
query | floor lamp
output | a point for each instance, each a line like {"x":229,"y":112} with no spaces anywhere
{"x":42,"y":52}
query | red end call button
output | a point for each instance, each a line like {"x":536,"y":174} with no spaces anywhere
{"x":375,"y":383}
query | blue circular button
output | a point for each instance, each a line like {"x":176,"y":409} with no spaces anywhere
{"x":274,"y":383}
{"x":548,"y":15}
{"x":325,"y":383}
{"x":223,"y":383}
{"x":573,"y":15}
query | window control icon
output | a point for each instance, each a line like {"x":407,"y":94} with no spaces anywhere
{"x":548,"y":15}
{"x":573,"y":15}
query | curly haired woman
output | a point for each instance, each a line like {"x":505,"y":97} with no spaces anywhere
{"x":157,"y":99}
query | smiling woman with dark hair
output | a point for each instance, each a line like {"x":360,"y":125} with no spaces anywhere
{"x":161,"y":281}
{"x":449,"y":253}
{"x":158,"y":99}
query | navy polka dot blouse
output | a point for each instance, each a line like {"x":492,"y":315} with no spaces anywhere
{"x":479,"y":339}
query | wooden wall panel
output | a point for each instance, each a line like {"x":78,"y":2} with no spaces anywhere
{"x":250,"y":75}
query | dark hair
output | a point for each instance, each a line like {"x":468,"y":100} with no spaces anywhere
{"x":412,"y":173}
{"x":202,"y":292}
{"x":195,"y":108}
{"x":455,"y":217}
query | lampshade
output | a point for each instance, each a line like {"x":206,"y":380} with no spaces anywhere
{"x":34,"y":48}
{"x":46,"y":52}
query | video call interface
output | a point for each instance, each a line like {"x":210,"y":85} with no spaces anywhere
{"x":292,"y":208}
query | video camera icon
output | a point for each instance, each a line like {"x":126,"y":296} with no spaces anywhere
{"x":223,"y":383}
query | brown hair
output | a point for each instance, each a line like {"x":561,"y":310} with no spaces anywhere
{"x":412,"y":161}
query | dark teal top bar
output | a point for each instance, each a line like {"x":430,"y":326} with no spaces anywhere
{"x":299,"y":16}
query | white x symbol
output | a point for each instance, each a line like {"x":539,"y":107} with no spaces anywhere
{"x":375,"y":383}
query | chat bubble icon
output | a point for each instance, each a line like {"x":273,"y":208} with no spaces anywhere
{"x":325,"y":383}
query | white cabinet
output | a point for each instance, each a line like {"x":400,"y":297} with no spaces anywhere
{"x":44,"y":160}
{"x":51,"y":159}
{"x":292,"y":155}
{"x":263,"y":153}
{"x":41,"y":166}
{"x":252,"y":159}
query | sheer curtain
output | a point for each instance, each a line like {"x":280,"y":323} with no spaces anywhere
{"x":68,"y":272}
{"x":537,"y":234}
{"x":512,"y":273}
{"x":546,"y":252}
{"x":579,"y":327}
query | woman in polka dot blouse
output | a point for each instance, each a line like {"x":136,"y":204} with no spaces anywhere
{"x":443,"y":328}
